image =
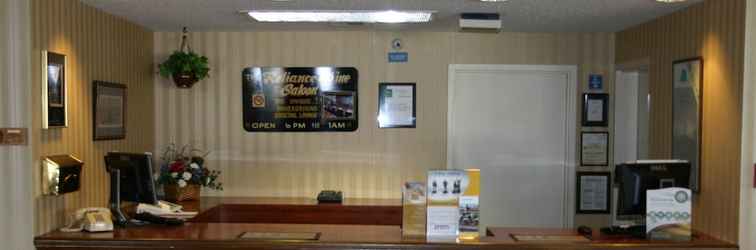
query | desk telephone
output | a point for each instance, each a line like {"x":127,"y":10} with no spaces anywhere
{"x":98,"y":219}
{"x":93,"y":219}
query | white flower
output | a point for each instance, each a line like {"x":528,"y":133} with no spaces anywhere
{"x":174,"y":174}
{"x":187,"y":176}
{"x":194,"y":165}
{"x":182,"y":183}
{"x":156,"y":176}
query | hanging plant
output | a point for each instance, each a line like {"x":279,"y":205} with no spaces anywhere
{"x":184,"y":66}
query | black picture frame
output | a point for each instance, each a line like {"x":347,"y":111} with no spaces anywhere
{"x":582,"y":146}
{"x":382,"y":94}
{"x":681,"y":139}
{"x":54,"y":90}
{"x":109,"y":101}
{"x":589,"y":98}
{"x":579,"y":195}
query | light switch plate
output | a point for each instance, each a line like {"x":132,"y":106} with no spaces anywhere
{"x":13,"y":136}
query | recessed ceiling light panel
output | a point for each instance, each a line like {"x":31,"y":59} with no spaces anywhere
{"x":342,"y":16}
{"x":671,"y":1}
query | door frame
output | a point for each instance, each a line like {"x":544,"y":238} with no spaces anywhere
{"x":571,"y":129}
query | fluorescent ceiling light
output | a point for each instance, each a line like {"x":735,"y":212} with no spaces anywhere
{"x":671,"y":1}
{"x":342,"y":16}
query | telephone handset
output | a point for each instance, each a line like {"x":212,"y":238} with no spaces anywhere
{"x":93,"y":219}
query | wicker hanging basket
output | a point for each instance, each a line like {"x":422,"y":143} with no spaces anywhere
{"x":184,"y":81}
{"x":175,"y":193}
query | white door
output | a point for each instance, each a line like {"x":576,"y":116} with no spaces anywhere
{"x":517,"y":124}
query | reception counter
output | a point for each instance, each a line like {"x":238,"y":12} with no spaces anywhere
{"x":222,"y":221}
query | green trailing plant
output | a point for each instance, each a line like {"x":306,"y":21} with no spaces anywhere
{"x":185,"y":63}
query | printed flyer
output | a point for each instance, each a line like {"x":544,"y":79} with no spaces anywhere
{"x":413,"y":209}
{"x":444,"y":190}
{"x":668,"y":214}
{"x":469,"y":206}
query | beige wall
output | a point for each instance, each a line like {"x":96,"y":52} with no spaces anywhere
{"x":370,"y":162}
{"x":715,"y":31}
{"x":16,"y":215}
{"x":99,"y":47}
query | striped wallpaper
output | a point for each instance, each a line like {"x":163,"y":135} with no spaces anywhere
{"x":368,"y":163}
{"x":99,"y":47}
{"x":715,"y":31}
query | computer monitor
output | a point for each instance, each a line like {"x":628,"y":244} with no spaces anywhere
{"x":135,"y":177}
{"x":634,"y":179}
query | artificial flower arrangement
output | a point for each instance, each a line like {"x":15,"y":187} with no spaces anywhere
{"x":183,"y":172}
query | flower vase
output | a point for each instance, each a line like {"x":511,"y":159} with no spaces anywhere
{"x":174,"y":193}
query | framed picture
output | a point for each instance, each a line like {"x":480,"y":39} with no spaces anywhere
{"x":593,"y":193}
{"x":687,"y":100}
{"x":595,"y":110}
{"x":397,"y":105}
{"x":109,"y":109}
{"x":54,"y":89}
{"x":594,"y":149}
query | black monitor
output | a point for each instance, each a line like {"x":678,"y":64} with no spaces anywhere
{"x":134,"y":178}
{"x":633,"y":179}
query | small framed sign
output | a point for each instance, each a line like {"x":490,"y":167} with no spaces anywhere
{"x":593,"y":192}
{"x":109,"y":109}
{"x":595,"y":110}
{"x":54,"y":89}
{"x":594,"y":149}
{"x":397,"y":105}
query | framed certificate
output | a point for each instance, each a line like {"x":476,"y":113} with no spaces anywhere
{"x":397,"y":105}
{"x":593,"y":192}
{"x":594,"y":149}
{"x":595,"y":110}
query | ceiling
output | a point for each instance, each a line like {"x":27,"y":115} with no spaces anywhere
{"x":517,"y":15}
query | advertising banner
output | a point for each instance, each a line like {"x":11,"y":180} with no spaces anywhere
{"x":301,"y":99}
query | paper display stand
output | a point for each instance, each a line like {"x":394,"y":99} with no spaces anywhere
{"x":413,"y":209}
{"x":668,"y":214}
{"x":453,"y":197}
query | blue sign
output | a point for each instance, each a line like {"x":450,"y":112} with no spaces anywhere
{"x":398,"y":57}
{"x":595,"y":82}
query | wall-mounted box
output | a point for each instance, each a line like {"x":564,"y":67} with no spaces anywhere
{"x":61,"y":174}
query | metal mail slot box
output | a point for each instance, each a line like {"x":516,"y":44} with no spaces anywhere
{"x":61,"y":174}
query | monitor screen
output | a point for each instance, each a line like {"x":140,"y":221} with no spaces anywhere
{"x":634,"y":179}
{"x":135,"y":176}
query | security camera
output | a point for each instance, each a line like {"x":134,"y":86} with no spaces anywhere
{"x":396,"y":44}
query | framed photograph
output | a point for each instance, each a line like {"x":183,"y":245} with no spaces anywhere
{"x":594,"y":149}
{"x":54,"y":89}
{"x":109,"y":109}
{"x":595,"y":110}
{"x":687,"y":100}
{"x":397,"y":105}
{"x":593,"y":193}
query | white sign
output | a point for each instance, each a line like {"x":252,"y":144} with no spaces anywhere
{"x":444,"y":190}
{"x":668,"y":214}
{"x":594,"y":194}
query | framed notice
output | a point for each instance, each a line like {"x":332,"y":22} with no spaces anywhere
{"x":54,"y":89}
{"x":687,"y":99}
{"x":300,"y":99}
{"x":593,"y":192}
{"x":109,"y":109}
{"x":594,"y":149}
{"x":595,"y":110}
{"x":397,"y":105}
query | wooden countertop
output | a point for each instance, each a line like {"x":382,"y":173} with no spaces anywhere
{"x":225,"y":234}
